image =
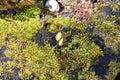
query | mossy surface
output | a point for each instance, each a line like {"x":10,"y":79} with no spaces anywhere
{"x":29,"y":50}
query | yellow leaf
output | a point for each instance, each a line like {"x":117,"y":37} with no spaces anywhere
{"x":58,"y":36}
{"x":61,"y":42}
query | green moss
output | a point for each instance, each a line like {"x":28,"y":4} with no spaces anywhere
{"x":114,"y":69}
{"x":55,"y":62}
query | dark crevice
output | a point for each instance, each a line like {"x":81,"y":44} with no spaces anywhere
{"x":117,"y":77}
{"x":8,"y":76}
{"x":42,"y":35}
{"x":102,"y":68}
{"x":73,"y":74}
{"x":108,"y":11}
{"x":12,"y":12}
{"x":117,"y":22}
{"x":99,"y":41}
{"x":3,"y":58}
